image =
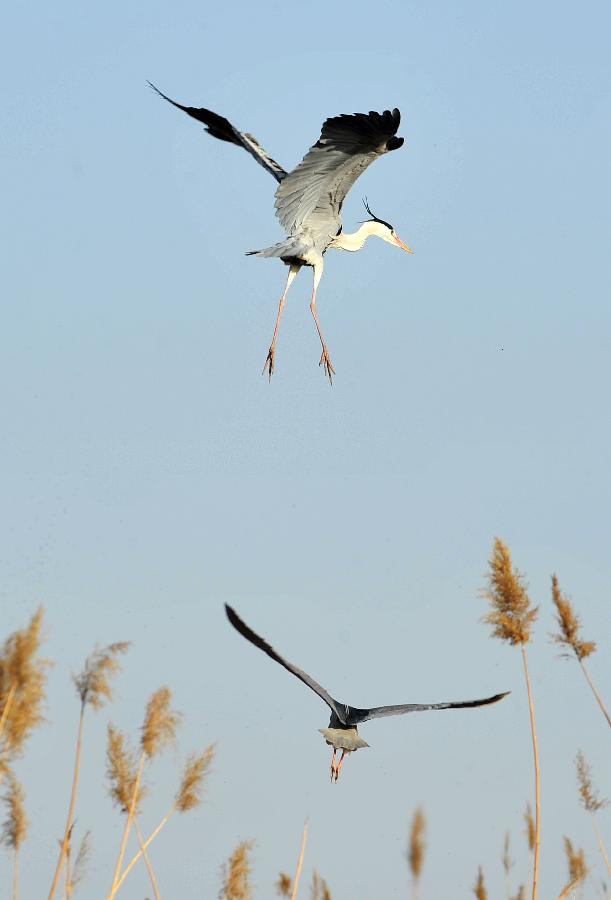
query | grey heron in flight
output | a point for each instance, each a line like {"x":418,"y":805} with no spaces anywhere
{"x":309,"y":198}
{"x":342,"y":733}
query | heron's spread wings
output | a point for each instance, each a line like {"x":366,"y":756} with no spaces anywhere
{"x":311,"y":196}
{"x":363,"y":715}
{"x":262,"y":644}
{"x":222,"y":129}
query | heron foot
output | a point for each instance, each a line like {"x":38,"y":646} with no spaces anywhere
{"x":269,"y":362}
{"x":325,"y":361}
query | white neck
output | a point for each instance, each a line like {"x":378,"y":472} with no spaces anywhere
{"x":356,"y":240}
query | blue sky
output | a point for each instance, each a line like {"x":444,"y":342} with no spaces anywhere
{"x":151,"y":473}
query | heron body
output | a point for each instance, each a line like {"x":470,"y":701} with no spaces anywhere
{"x":309,"y":198}
{"x":342,"y":732}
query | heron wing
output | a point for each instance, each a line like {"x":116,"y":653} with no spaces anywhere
{"x":222,"y":129}
{"x":363,"y":715}
{"x":311,"y":196}
{"x":262,"y":644}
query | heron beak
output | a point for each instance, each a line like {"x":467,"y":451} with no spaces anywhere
{"x":403,"y":246}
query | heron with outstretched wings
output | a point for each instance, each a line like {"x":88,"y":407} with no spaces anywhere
{"x":309,"y":199}
{"x":342,"y":733}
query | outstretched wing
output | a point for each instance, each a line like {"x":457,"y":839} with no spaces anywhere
{"x":311,"y":196}
{"x":262,"y":644}
{"x":222,"y":129}
{"x":363,"y":715}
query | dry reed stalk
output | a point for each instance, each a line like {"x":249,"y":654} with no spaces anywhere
{"x":512,"y":618}
{"x":15,"y":826}
{"x":187,"y":798}
{"x":591,"y":802}
{"x":304,"y":841}
{"x":237,"y":874}
{"x":147,"y":861}
{"x":93,"y":688}
{"x":415,"y":851}
{"x":568,"y":636}
{"x":479,"y":888}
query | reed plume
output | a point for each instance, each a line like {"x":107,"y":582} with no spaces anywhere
{"x":578,"y":870}
{"x":415,"y":850}
{"x":512,"y":617}
{"x":530,"y":828}
{"x":479,"y":888}
{"x":320,"y":888}
{"x":158,"y":730}
{"x":93,"y":689}
{"x":236,"y":876}
{"x":188,"y":797}
{"x":283,"y":885}
{"x":568,"y":636}
{"x":76,"y":875}
{"x":23,"y":675}
{"x":507,"y":861}
{"x":590,"y":801}
{"x":15,"y":825}
{"x":521,"y":895}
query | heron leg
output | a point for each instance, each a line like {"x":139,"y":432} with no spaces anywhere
{"x":325,"y":359}
{"x":269,"y":362}
{"x":341,"y":763}
{"x":333,"y":765}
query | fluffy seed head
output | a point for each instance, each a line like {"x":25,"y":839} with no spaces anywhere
{"x":194,"y":775}
{"x":236,"y":879}
{"x":530,"y":828}
{"x":93,"y":683}
{"x":320,"y":888}
{"x":479,"y":888}
{"x":587,"y":792}
{"x":576,"y":862}
{"x":507,"y":860}
{"x":160,"y":723}
{"x":284,"y":884}
{"x":22,"y":684}
{"x":122,"y":768}
{"x":512,"y":615}
{"x":569,"y":625}
{"x":15,"y":825}
{"x":417,"y":846}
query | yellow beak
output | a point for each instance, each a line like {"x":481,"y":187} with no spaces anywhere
{"x":403,"y":246}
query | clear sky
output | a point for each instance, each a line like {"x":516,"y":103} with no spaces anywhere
{"x":150,"y":473}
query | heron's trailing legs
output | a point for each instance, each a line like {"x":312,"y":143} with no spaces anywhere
{"x":335,"y":767}
{"x":325,"y":359}
{"x":269,"y":362}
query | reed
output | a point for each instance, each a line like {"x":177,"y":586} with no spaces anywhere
{"x":512,"y":617}
{"x":236,"y":881}
{"x":93,"y":687}
{"x":479,"y":888}
{"x":415,"y":850}
{"x":568,"y":636}
{"x":578,"y":870}
{"x":591,"y":801}
{"x":14,"y":827}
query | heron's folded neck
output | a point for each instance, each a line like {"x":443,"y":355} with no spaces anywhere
{"x":356,"y":239}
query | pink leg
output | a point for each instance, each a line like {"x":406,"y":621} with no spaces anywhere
{"x":341,"y":763}
{"x":269,"y":362}
{"x":333,"y":764}
{"x":325,"y":359}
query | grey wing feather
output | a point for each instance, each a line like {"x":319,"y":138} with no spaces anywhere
{"x":262,"y":644}
{"x":378,"y":712}
{"x":222,"y":129}
{"x":311,"y":196}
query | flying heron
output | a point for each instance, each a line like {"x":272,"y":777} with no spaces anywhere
{"x":342,"y":733}
{"x":309,"y":199}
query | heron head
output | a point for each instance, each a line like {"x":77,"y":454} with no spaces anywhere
{"x":385,"y":230}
